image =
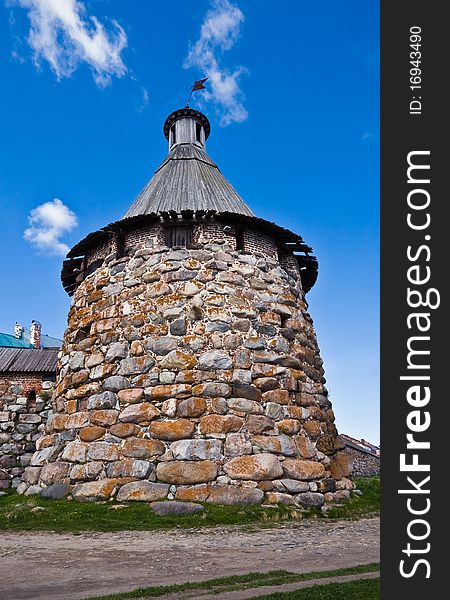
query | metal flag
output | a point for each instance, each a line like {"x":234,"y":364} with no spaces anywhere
{"x":198,"y":85}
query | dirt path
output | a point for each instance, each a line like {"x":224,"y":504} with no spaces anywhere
{"x":72,"y":567}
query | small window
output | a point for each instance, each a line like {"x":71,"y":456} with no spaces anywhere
{"x":174,"y":137}
{"x":198,"y":132}
{"x":239,"y":239}
{"x":120,"y":244}
{"x":31,"y":399}
{"x":179,"y":236}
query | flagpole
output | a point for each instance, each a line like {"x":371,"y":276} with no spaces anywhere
{"x":192,"y":89}
{"x":198,"y":85}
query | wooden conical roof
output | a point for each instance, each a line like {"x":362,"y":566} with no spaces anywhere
{"x":188,"y":179}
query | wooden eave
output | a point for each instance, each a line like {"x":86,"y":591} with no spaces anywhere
{"x":284,"y":238}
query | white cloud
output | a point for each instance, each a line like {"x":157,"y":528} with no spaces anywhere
{"x":64,"y":35}
{"x":48,"y":222}
{"x":143,"y":101}
{"x":219,"y":31}
{"x":369,"y":136}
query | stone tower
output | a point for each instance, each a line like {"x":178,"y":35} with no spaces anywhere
{"x":190,"y":367}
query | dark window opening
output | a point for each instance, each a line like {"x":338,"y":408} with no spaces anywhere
{"x":198,"y":132}
{"x":179,"y":236}
{"x":239,"y":239}
{"x":174,"y":137}
{"x":31,"y":399}
{"x":120,"y":244}
{"x":81,"y":334}
{"x":94,"y":265}
{"x":281,"y":256}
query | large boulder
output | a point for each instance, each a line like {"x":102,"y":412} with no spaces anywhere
{"x":255,"y":467}
{"x":180,"y":472}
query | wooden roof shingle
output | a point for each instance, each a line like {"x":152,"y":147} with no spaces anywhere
{"x":188,"y":187}
{"x":188,"y":179}
{"x":27,"y":360}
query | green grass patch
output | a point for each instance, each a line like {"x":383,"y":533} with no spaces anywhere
{"x":236,"y":583}
{"x":359,"y":506}
{"x":362,"y":589}
{"x":33,"y":513}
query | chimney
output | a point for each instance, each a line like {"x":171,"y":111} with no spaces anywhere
{"x":35,"y":334}
{"x":18,"y":331}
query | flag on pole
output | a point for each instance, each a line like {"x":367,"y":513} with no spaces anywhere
{"x":198,"y":85}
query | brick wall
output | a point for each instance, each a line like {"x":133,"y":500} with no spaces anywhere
{"x":248,"y":240}
{"x":289,"y":263}
{"x":146,"y":236}
{"x":28,"y":381}
{"x":254,"y":241}
{"x":213,"y":232}
{"x":100,"y":251}
{"x":259,"y":242}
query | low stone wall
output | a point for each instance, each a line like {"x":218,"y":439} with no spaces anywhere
{"x":23,"y":415}
{"x":363,"y":464}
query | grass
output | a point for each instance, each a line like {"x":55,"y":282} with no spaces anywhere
{"x":33,"y":513}
{"x":236,"y":583}
{"x":362,"y":589}
{"x":368,"y":503}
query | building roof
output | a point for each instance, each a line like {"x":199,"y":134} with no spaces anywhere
{"x":11,"y":341}
{"x":47,"y":341}
{"x":285,"y":238}
{"x":188,"y":188}
{"x":26,"y":360}
{"x":361,"y":445}
{"x":188,"y":179}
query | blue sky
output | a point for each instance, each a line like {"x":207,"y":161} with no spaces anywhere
{"x":293,"y":102}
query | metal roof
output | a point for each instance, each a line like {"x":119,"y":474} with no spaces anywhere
{"x":11,"y":341}
{"x":47,"y":341}
{"x":188,"y":179}
{"x":26,"y":360}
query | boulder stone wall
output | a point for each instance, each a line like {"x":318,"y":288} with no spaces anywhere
{"x":23,"y":416}
{"x":192,"y":374}
{"x":363,"y":464}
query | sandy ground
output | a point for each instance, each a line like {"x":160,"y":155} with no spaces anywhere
{"x":65,"y":566}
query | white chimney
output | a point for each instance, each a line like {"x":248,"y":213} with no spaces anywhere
{"x":18,"y":331}
{"x":35,"y":334}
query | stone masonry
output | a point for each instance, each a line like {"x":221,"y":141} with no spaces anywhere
{"x":22,"y":423}
{"x":195,"y":375}
{"x":363,"y":464}
{"x":190,"y":368}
